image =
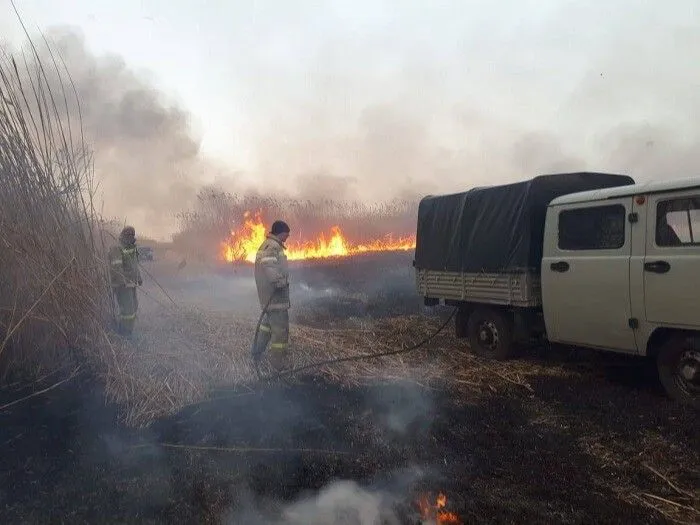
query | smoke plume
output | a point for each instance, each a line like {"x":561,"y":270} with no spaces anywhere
{"x":146,"y":157}
{"x":413,"y":119}
{"x":340,"y":503}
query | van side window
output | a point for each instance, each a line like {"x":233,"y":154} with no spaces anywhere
{"x":594,"y":228}
{"x":678,"y":222}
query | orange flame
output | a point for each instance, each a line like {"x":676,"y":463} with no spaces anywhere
{"x":244,"y":243}
{"x":437,"y":513}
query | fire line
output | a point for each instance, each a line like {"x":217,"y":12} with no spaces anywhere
{"x":435,"y":512}
{"x":243,"y":243}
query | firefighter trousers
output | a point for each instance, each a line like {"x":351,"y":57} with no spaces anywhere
{"x":274,"y":330}
{"x":128,"y":306}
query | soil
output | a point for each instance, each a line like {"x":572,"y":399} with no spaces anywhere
{"x":505,"y":459}
{"x":596,"y":443}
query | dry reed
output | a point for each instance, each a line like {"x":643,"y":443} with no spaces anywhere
{"x":218,"y":213}
{"x":188,"y":355}
{"x":53,"y":289}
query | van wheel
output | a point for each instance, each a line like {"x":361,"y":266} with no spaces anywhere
{"x":678,"y":363}
{"x":490,"y":334}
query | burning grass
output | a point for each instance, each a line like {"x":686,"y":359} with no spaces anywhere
{"x":243,"y":243}
{"x":227,"y":226}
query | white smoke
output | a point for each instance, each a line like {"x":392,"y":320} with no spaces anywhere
{"x":342,"y":503}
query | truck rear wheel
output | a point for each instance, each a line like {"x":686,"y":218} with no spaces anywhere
{"x":490,"y":333}
{"x":678,"y":363}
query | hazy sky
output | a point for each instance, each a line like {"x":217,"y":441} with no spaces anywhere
{"x":465,"y":91}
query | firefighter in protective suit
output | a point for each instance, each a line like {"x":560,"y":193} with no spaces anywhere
{"x":272,"y":282}
{"x":125,"y":276}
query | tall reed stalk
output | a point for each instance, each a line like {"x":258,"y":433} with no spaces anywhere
{"x":54,"y":294}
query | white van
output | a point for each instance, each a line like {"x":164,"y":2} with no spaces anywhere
{"x":619,"y":270}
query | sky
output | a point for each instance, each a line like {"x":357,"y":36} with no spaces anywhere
{"x":372,"y":99}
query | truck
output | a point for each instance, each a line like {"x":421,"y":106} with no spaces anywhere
{"x":583,"y":259}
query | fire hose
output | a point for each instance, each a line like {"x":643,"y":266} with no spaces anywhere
{"x":289,"y":372}
{"x":254,"y":348}
{"x":319,"y":364}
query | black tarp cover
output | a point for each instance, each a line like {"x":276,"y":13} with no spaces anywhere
{"x":495,"y":228}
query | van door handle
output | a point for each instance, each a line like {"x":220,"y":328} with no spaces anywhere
{"x":657,"y":267}
{"x":561,"y":266}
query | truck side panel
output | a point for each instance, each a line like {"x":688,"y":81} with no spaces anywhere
{"x":512,"y":289}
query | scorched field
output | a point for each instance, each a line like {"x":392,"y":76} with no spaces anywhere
{"x":182,"y":431}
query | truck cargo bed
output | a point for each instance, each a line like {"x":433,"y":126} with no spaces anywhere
{"x":521,"y":289}
{"x":498,"y":228}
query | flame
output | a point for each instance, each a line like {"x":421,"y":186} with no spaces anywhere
{"x":436,"y":513}
{"x":244,"y":243}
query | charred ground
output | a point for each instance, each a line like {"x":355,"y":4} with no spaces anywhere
{"x":591,"y":438}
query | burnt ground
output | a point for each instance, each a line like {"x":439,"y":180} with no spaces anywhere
{"x":573,"y":450}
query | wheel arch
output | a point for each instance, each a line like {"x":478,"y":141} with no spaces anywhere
{"x":661,"y":335}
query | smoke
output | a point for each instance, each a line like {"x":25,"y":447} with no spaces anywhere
{"x":356,"y":120}
{"x":538,"y":94}
{"x":146,"y":156}
{"x":636,"y":103}
{"x":404,"y":412}
{"x":343,"y":503}
{"x":339,"y":503}
{"x":385,"y":501}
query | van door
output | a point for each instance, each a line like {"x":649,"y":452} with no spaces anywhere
{"x":586,"y":275}
{"x":672,"y":260}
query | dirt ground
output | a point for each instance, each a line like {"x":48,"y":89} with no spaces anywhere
{"x":588,"y":438}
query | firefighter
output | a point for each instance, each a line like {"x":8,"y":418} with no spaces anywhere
{"x":272,"y":282}
{"x":125,"y":276}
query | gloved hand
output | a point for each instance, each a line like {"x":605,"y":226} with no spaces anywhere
{"x":140,"y":281}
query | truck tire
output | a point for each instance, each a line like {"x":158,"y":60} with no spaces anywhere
{"x":490,"y":333}
{"x":678,"y":363}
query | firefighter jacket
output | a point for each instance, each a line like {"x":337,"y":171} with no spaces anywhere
{"x":124,"y":266}
{"x":272,"y":274}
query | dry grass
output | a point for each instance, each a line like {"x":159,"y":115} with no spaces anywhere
{"x":661,"y":491}
{"x":217,"y":213}
{"x":53,"y":288}
{"x":184,"y":356}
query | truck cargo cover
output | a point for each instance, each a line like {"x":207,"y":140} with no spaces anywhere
{"x":495,"y":228}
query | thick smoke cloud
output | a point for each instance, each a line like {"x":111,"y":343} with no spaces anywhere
{"x":608,"y":89}
{"x":353,"y":120}
{"x":638,"y":102}
{"x":146,"y":157}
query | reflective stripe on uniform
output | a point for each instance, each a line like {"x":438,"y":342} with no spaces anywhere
{"x":128,"y":251}
{"x":132,"y":316}
{"x":278,"y":346}
{"x":268,"y":259}
{"x":117,"y":262}
{"x":264,"y":328}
